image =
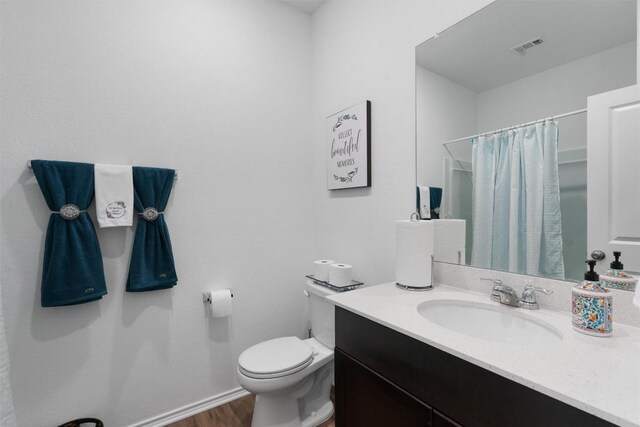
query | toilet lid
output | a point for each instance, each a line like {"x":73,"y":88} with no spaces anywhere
{"x":275,"y":357}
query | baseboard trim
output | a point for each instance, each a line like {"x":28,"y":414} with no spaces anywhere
{"x":192,"y":408}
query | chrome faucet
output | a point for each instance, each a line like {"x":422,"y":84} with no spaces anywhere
{"x":507,"y":295}
{"x":503,"y":294}
{"x":529,"y":299}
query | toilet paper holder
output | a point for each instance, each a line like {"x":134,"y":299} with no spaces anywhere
{"x":206,"y":296}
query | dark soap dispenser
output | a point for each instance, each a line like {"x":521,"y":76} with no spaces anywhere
{"x":591,"y":305}
{"x":617,"y":278}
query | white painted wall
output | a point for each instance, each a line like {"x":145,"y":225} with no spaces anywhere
{"x":558,"y":90}
{"x":218,"y":90}
{"x":365,"y":50}
{"x":444,"y":111}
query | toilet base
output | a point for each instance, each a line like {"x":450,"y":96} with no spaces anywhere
{"x":281,"y":411}
{"x":318,"y":417}
{"x":306,"y":404}
{"x":287,"y":414}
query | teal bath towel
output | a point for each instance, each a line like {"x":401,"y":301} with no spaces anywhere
{"x":72,"y":271}
{"x":435,"y":194}
{"x":152,"y":266}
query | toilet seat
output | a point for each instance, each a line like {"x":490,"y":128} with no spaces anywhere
{"x":275,"y":358}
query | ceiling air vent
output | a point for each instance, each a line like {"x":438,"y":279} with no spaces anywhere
{"x":522,"y":48}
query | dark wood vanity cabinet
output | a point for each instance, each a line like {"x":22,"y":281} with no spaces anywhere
{"x":385,"y":378}
{"x":371,"y":400}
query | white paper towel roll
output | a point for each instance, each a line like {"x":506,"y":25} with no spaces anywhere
{"x":340,"y":275}
{"x":221,"y":303}
{"x":321,"y":269}
{"x":414,"y":247}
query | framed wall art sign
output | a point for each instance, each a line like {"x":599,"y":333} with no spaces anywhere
{"x":349,"y":148}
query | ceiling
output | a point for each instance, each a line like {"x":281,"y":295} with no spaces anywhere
{"x":307,"y":6}
{"x":476,"y":52}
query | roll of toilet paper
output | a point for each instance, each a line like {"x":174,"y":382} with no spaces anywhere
{"x":340,"y":275}
{"x":221,"y":303}
{"x":414,"y":248}
{"x":321,"y":269}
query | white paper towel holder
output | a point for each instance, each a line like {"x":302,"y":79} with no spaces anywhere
{"x":418,"y":288}
{"x":415,"y":217}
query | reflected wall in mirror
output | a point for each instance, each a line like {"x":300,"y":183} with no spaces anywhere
{"x":501,"y":123}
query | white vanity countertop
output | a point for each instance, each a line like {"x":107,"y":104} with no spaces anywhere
{"x":599,"y":375}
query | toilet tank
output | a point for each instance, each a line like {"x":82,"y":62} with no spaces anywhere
{"x":321,"y":314}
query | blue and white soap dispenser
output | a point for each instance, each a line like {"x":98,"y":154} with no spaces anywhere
{"x":617,"y":278}
{"x":591,"y":305}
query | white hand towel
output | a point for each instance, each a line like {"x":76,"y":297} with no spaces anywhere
{"x":114,"y":195}
{"x":425,"y":202}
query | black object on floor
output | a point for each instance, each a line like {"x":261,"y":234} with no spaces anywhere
{"x":80,"y":421}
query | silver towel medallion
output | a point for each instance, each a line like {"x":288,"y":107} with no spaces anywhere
{"x":150,"y":214}
{"x":69,"y":212}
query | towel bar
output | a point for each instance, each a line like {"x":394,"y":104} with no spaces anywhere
{"x":176,"y":177}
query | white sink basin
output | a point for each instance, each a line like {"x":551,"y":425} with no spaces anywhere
{"x":489,"y":322}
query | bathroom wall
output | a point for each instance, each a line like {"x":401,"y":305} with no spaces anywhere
{"x":218,"y":90}
{"x":365,"y":50}
{"x":444,"y":111}
{"x":558,"y":90}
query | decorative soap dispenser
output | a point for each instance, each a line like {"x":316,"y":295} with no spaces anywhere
{"x":591,"y":305}
{"x":616,"y":278}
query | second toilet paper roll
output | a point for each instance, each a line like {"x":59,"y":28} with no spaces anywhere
{"x":340,"y":275}
{"x":321,"y":269}
{"x":414,"y":247}
{"x":221,"y":303}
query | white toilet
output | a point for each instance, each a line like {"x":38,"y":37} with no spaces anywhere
{"x":290,"y":377}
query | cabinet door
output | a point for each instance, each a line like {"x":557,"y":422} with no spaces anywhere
{"x":365,"y":399}
{"x":440,"y":420}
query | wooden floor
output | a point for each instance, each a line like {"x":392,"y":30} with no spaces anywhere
{"x":236,"y":413}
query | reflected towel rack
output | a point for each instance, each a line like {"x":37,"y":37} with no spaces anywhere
{"x":176,"y":177}
{"x":559,"y":116}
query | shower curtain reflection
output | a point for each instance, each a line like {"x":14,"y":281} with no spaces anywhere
{"x":516,"y":201}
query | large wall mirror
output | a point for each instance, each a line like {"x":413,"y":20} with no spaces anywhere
{"x":501,"y":100}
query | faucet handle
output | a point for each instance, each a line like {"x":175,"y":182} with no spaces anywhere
{"x":532,"y":289}
{"x":529,"y":299}
{"x":498,"y":285}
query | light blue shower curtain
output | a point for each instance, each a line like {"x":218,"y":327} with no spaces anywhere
{"x":516,"y":201}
